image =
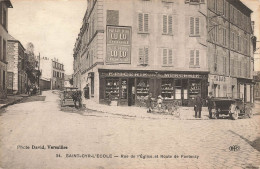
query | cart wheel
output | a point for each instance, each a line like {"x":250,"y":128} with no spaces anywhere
{"x":249,"y":112}
{"x":235,"y":114}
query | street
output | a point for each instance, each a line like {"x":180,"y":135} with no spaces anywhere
{"x":36,"y":135}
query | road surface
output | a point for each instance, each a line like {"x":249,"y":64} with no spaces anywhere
{"x":31,"y":132}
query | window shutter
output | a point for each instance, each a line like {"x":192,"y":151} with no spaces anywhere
{"x":164,"y":24}
{"x":170,"y":58}
{"x":164,"y":56}
{"x":140,"y":20}
{"x":197,"y":57}
{"x":197,"y":26}
{"x":191,"y":25}
{"x":170,"y":24}
{"x":191,"y":57}
{"x":146,"y":52}
{"x":146,"y":22}
{"x":141,"y":56}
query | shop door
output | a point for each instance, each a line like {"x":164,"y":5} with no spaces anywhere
{"x":131,"y":92}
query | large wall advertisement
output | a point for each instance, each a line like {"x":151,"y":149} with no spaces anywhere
{"x":118,"y":44}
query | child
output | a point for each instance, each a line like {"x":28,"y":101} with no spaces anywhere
{"x":159,"y":101}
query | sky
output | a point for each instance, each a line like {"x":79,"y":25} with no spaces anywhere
{"x":53,"y":26}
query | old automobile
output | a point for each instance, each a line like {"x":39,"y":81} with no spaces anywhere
{"x":231,"y":107}
{"x":67,"y":96}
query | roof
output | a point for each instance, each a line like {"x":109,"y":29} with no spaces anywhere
{"x":8,"y":3}
{"x":11,"y":38}
{"x":241,"y":6}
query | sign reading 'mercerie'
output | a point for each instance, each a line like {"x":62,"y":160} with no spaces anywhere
{"x":118,"y":44}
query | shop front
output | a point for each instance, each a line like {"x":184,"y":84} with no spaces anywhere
{"x":245,"y":89}
{"x":133,"y":87}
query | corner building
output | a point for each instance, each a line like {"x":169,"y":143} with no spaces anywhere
{"x":128,"y":49}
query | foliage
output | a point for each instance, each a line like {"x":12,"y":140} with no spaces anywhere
{"x":71,"y":81}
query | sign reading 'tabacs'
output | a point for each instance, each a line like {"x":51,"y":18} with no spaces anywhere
{"x":118,"y":44}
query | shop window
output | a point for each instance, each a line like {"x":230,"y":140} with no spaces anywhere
{"x":194,"y":88}
{"x":142,"y":88}
{"x":167,"y":24}
{"x":185,"y":88}
{"x":167,"y":89}
{"x":143,"y":22}
{"x":124,"y":89}
{"x":178,"y":87}
{"x":112,"y":89}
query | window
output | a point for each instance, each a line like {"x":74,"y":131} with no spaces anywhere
{"x":112,"y":17}
{"x":167,"y":57}
{"x":215,"y":63}
{"x":246,"y":47}
{"x":143,"y":22}
{"x":238,"y":43}
{"x":224,"y":37}
{"x":194,"y":26}
{"x":167,"y":24}
{"x":232,"y":39}
{"x":239,"y":68}
{"x":194,"y":58}
{"x":224,"y":65}
{"x":4,"y":19}
{"x":143,"y":55}
{"x":4,"y":50}
{"x":3,"y":79}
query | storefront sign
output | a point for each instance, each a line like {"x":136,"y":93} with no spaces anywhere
{"x":219,"y":78}
{"x":151,"y":74}
{"x":118,"y":44}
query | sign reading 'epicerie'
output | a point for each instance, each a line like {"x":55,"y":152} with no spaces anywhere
{"x":118,"y":44}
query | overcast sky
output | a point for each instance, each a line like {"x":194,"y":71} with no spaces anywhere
{"x":53,"y":25}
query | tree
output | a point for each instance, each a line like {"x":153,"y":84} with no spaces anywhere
{"x":71,"y":81}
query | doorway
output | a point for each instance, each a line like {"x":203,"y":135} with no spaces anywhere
{"x":131,"y":92}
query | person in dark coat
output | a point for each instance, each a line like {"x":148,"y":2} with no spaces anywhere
{"x":198,"y":106}
{"x":210,"y":104}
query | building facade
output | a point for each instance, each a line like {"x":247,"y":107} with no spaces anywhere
{"x":51,"y":71}
{"x":16,"y":73}
{"x":4,"y":5}
{"x":230,"y":49}
{"x":128,"y":49}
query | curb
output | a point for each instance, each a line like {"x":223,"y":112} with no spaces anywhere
{"x":11,"y":103}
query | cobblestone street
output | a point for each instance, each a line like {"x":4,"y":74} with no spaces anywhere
{"x":133,"y":142}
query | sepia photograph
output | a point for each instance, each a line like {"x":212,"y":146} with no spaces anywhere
{"x":129,"y":84}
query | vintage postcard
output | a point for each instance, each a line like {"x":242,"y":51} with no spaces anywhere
{"x":129,"y":84}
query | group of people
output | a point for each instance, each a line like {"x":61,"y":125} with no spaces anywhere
{"x":31,"y":89}
{"x":197,"y":105}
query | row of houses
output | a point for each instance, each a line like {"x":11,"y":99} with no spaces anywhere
{"x":174,"y":48}
{"x":20,"y":68}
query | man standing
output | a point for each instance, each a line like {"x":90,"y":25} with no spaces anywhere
{"x":198,"y":106}
{"x":210,"y":104}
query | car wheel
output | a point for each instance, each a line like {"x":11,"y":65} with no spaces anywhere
{"x":235,"y":114}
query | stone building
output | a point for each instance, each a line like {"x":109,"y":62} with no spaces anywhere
{"x":4,"y":5}
{"x":52,"y":71}
{"x":16,"y":73}
{"x":128,"y":49}
{"x":230,"y":49}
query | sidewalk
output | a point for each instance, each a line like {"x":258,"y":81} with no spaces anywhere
{"x":12,"y":99}
{"x":186,"y":113}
